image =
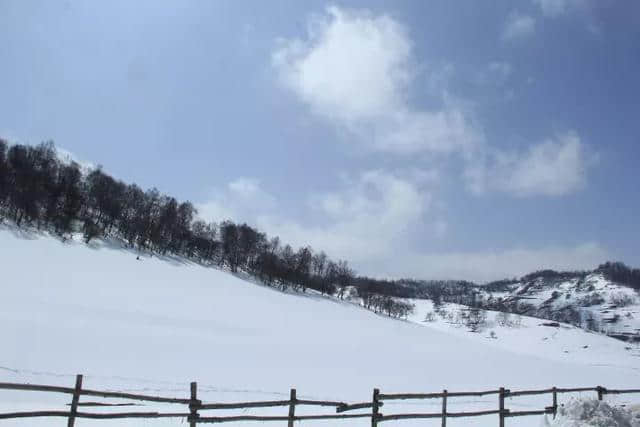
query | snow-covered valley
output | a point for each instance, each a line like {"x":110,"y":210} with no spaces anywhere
{"x":155,"y":324}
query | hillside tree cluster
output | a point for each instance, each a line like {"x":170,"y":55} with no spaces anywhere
{"x":38,"y":188}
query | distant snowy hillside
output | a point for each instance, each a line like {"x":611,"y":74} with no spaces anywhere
{"x":590,"y":301}
{"x":155,"y":324}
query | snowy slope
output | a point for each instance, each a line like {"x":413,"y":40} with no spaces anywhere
{"x":157,"y":324}
{"x":566,"y":343}
{"x":593,"y":301}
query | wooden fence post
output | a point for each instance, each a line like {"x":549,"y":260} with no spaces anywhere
{"x":292,"y":407}
{"x":501,"y":406}
{"x":194,"y":404}
{"x":74,"y":401}
{"x":375,"y":407}
{"x":444,"y":408}
{"x":555,"y":402}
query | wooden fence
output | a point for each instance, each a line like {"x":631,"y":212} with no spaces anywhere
{"x":196,"y":406}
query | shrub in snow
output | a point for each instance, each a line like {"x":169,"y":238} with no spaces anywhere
{"x":593,"y":413}
{"x":590,"y":299}
{"x":430,"y":317}
{"x":474,"y":318}
{"x":621,"y":300}
{"x":504,"y":319}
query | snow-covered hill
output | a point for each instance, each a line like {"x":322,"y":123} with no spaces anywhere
{"x":591,"y":300}
{"x":587,"y":300}
{"x":155,"y":324}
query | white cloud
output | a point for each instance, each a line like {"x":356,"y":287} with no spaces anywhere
{"x":369,"y":217}
{"x":493,"y":265}
{"x":365,"y":218}
{"x":586,"y":10}
{"x":243,"y":200}
{"x":370,"y":222}
{"x":554,"y":167}
{"x":554,"y":8}
{"x":501,"y":68}
{"x":354,"y":70}
{"x":494,"y":73}
{"x":518,"y":26}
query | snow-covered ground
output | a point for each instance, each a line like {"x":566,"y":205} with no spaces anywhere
{"x":153,"y":325}
{"x":529,"y":335}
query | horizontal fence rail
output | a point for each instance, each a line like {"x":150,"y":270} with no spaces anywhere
{"x":195,"y":407}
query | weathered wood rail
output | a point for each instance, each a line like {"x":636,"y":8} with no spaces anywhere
{"x":196,"y":406}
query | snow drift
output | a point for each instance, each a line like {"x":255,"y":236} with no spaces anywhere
{"x":594,"y":413}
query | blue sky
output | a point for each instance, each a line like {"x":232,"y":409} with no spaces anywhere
{"x":429,"y":139}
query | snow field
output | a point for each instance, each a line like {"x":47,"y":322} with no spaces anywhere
{"x":153,"y":325}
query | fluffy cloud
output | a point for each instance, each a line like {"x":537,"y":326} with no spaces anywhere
{"x":364,"y":219}
{"x":554,"y":167}
{"x":554,"y":8}
{"x":370,"y":220}
{"x":495,"y":73}
{"x":493,"y":265}
{"x":243,"y":200}
{"x":518,"y":26}
{"x":354,"y":70}
{"x":369,"y":217}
